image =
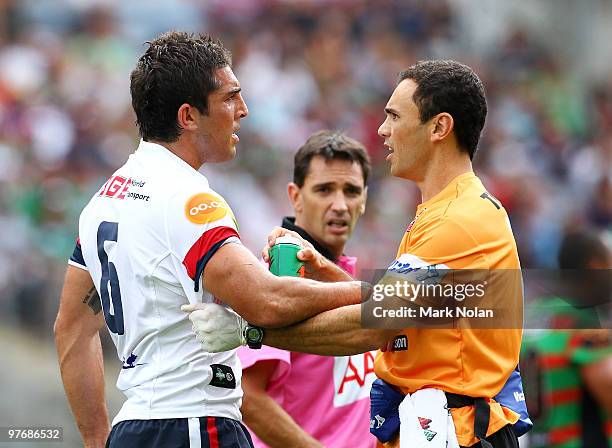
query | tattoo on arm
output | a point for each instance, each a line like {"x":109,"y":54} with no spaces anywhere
{"x":92,"y":299}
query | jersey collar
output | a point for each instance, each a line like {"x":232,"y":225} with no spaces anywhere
{"x":164,"y":156}
{"x":447,"y":192}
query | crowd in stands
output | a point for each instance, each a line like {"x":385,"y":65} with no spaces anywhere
{"x":66,"y":121}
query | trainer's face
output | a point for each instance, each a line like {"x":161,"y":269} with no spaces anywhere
{"x":405,"y":136}
{"x":330,"y":202}
{"x":218,"y":129}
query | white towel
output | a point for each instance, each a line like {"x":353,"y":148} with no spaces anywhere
{"x":426,"y":421}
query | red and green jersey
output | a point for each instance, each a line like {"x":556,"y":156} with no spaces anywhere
{"x":552,"y":359}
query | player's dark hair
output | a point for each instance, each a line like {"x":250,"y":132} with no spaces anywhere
{"x":177,"y":68}
{"x":331,"y":145}
{"x":578,"y":249}
{"x":448,"y":86}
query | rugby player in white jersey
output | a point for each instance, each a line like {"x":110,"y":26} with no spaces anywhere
{"x":156,"y":237}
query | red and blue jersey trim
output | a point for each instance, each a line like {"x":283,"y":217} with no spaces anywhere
{"x":203,"y":249}
{"x":77,"y":255}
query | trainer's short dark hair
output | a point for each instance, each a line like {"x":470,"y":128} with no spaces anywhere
{"x":177,"y":68}
{"x":331,"y":145}
{"x":448,"y":86}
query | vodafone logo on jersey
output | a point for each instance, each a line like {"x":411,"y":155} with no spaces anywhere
{"x":203,"y":208}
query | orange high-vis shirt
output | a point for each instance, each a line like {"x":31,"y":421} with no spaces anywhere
{"x":462,"y":227}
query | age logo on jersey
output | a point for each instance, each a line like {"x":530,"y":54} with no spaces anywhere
{"x":203,"y":208}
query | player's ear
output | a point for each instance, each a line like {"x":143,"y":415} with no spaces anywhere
{"x":442,"y":125}
{"x":186,"y":117}
{"x":293,"y":191}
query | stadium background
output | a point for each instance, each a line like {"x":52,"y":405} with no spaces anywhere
{"x":66,"y":123}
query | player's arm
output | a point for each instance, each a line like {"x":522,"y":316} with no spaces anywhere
{"x":598,"y":379}
{"x":594,"y":354}
{"x":259,"y":410}
{"x":336,"y":332}
{"x":80,"y":355}
{"x":234,"y":275}
{"x":340,"y":331}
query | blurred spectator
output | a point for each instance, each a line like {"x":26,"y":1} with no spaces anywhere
{"x":66,"y":121}
{"x":567,"y":368}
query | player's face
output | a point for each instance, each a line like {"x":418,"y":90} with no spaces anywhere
{"x":405,"y":136}
{"x":218,"y":129}
{"x":330,"y":202}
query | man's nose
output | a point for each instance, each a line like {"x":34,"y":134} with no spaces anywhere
{"x":339,"y":203}
{"x":243,"y":110}
{"x":383,"y":130}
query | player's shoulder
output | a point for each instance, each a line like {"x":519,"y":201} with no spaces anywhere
{"x":114,"y":186}
{"x":472,"y":215}
{"x":476,"y":211}
{"x":193,"y":186}
{"x":196,"y":208}
{"x":196,"y":195}
{"x":170,"y":176}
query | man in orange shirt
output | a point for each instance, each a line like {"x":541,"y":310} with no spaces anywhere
{"x":433,"y":123}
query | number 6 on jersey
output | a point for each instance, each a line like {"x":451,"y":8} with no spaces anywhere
{"x":107,"y":231}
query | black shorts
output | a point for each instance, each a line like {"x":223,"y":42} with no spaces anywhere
{"x":197,"y":432}
{"x":504,"y":438}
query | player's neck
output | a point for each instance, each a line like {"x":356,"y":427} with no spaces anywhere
{"x":441,"y":171}
{"x":184,"y":152}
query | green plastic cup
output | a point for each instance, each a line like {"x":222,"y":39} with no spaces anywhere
{"x":283,"y":257}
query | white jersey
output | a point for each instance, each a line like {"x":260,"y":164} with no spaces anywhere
{"x":145,"y":238}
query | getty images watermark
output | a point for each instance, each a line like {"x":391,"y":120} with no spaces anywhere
{"x":442,"y":298}
{"x":407,"y":290}
{"x":434,"y":297}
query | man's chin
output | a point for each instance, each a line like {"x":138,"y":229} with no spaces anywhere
{"x":395,"y":171}
{"x":229,"y":155}
{"x":402,"y":174}
{"x":334,"y":240}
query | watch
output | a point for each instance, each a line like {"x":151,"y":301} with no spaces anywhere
{"x":254,"y":336}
